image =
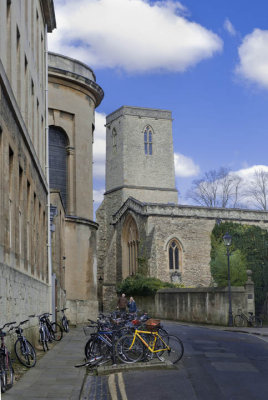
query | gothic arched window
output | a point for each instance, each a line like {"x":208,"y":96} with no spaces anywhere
{"x":114,"y":140}
{"x":148,"y":140}
{"x":130,"y":247}
{"x":174,"y":255}
{"x":58,"y":142}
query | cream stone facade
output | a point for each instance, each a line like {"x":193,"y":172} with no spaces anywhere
{"x":73,"y":97}
{"x":140,"y":221}
{"x":25,"y":284}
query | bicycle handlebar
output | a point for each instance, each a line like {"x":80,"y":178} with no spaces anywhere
{"x":7,"y":324}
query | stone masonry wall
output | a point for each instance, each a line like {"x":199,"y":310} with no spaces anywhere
{"x":18,"y":297}
{"x":200,"y":305}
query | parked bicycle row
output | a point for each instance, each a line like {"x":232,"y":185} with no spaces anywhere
{"x":24,"y":350}
{"x":129,"y":338}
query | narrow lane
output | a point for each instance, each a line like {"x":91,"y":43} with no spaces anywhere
{"x":217,"y":365}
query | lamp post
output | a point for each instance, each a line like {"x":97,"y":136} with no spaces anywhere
{"x":227,"y":239}
{"x":100,"y":294}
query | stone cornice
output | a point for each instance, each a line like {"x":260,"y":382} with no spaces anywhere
{"x":195,"y":212}
{"x":140,"y":188}
{"x":49,"y":14}
{"x":140,"y":112}
{"x":79,"y":80}
{"x":81,"y":220}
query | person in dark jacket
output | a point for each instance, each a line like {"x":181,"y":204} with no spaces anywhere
{"x":132,"y":308}
{"x":122,"y":303}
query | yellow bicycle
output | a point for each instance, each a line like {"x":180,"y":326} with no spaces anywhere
{"x":135,"y":347}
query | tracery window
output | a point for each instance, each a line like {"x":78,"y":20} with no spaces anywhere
{"x":148,"y":140}
{"x":174,"y":255}
{"x":132,"y":249}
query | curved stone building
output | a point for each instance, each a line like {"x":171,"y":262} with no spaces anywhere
{"x":73,"y":97}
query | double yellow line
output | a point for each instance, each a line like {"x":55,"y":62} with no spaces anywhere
{"x":121,"y":386}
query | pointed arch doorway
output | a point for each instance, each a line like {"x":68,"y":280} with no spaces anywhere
{"x":130,"y":247}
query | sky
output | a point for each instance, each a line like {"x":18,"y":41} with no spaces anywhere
{"x":205,"y":61}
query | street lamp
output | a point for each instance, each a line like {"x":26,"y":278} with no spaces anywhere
{"x":227,"y":239}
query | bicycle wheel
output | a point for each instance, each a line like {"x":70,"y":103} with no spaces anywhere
{"x":65,"y":325}
{"x":96,"y":348}
{"x":25,"y":353}
{"x":127,"y":354}
{"x":56,"y":331}
{"x":175,"y":352}
{"x":9,"y":372}
{"x":3,"y":374}
{"x":257,"y":322}
{"x":239,"y":321}
{"x":43,"y":340}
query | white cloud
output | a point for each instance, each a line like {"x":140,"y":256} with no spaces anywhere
{"x":253,"y":54}
{"x":228,"y":26}
{"x":248,"y":178}
{"x":248,"y":173}
{"x":99,"y":146}
{"x":98,"y":196}
{"x":185,"y":166}
{"x":133,"y":35}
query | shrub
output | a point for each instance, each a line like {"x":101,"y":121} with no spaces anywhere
{"x":139,"y":285}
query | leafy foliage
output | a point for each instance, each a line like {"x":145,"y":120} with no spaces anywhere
{"x":139,"y":285}
{"x":252,"y":242}
{"x":219,"y":267}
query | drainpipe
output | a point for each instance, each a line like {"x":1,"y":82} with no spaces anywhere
{"x":49,"y":260}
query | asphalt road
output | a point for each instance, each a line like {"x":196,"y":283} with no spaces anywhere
{"x":217,"y":365}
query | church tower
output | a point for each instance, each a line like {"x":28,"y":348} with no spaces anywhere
{"x":139,"y":155}
{"x":140,"y":166}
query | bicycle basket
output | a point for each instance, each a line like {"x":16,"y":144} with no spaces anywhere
{"x":152,"y":324}
{"x":88,"y":330}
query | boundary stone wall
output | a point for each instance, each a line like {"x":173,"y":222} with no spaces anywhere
{"x":199,"y":305}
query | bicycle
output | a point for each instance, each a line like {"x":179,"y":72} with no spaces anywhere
{"x":64,"y":320}
{"x":101,"y":341}
{"x":55,"y":330}
{"x":6,"y":367}
{"x":24,"y":350}
{"x":48,"y":331}
{"x":131,"y":348}
{"x":100,"y":347}
{"x":242,"y":320}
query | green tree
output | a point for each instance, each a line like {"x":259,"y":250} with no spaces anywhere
{"x":219,"y":267}
{"x":252,"y":241}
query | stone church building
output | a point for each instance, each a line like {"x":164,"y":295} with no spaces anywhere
{"x":140,"y":220}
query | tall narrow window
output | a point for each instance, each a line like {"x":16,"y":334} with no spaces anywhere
{"x":26,"y":86}
{"x":174,"y":255}
{"x":11,"y":160}
{"x":20,"y":208}
{"x":18,"y":68}
{"x":58,"y":142}
{"x":148,"y":140}
{"x":28,"y":238}
{"x":114,"y":140}
{"x":130,"y":247}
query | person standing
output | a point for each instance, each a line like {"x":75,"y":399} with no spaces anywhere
{"x":132,"y":308}
{"x":122,"y":303}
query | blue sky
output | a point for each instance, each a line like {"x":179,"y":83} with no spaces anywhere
{"x":206,"y":61}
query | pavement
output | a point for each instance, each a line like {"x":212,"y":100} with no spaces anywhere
{"x":55,"y":376}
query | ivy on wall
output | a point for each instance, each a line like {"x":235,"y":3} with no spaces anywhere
{"x":249,"y":250}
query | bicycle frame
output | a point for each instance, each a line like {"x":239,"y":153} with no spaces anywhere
{"x":156,"y":336}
